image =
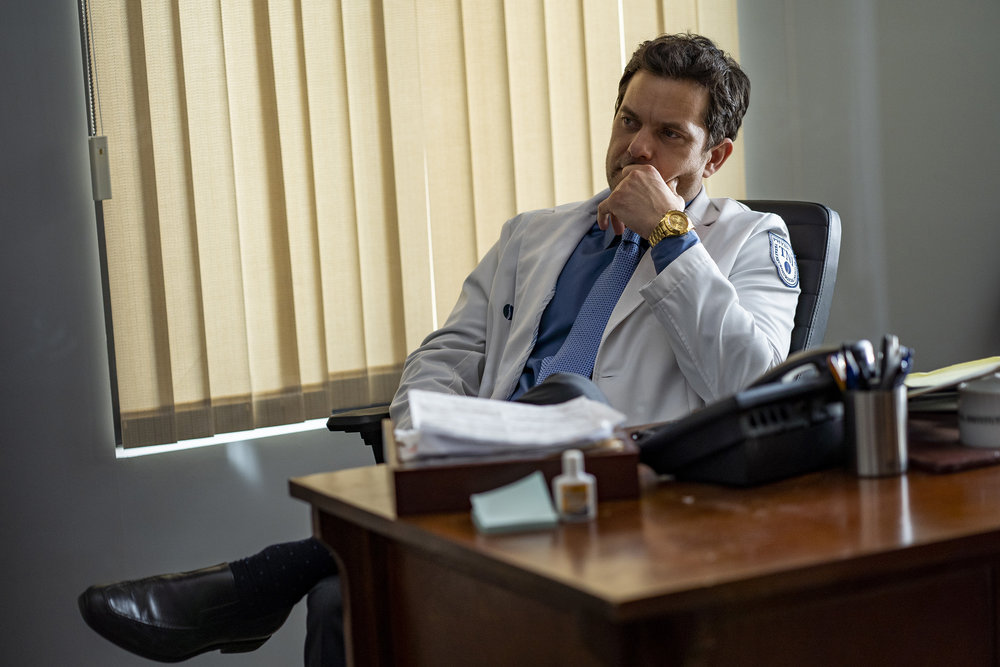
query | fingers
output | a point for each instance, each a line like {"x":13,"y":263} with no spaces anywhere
{"x":617,"y":225}
{"x":651,"y":171}
{"x":604,"y":220}
{"x":639,"y":200}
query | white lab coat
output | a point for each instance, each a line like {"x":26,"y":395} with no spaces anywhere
{"x":705,"y":327}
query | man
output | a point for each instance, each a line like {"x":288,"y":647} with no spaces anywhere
{"x":705,"y":312}
{"x":664,"y":298}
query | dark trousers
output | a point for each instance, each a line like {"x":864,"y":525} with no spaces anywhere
{"x":325,"y":645}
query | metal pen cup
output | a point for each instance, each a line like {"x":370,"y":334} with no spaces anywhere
{"x":875,"y":422}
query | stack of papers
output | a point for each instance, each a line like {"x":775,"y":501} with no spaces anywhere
{"x":522,"y":505}
{"x":445,"y":425}
{"x":938,"y":390}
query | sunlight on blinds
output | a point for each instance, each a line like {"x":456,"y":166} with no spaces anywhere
{"x":301,"y":186}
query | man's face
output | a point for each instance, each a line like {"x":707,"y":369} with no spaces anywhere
{"x":661,"y":123}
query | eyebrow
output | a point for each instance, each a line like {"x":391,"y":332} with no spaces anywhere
{"x":680,"y":128}
{"x":624,"y":108}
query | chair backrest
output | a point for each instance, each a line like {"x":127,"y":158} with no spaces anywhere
{"x":814,"y":231}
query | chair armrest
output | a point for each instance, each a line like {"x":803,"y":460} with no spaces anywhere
{"x":366,"y":421}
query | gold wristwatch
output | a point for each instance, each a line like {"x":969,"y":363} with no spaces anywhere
{"x":674,"y":223}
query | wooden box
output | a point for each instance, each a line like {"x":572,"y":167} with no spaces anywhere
{"x":443,"y":486}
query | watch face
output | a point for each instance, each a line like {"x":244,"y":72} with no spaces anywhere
{"x":677,"y":223}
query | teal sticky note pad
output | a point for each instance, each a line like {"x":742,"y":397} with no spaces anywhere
{"x":520,"y":506}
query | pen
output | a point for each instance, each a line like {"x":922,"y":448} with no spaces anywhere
{"x":904,"y":366}
{"x":838,"y":369}
{"x":864,"y":354}
{"x":890,"y":361}
{"x":852,"y":376}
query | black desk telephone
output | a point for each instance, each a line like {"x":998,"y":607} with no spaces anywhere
{"x":789,"y":422}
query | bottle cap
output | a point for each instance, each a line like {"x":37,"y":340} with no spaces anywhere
{"x":572,"y":462}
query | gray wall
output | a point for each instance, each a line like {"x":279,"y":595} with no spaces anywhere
{"x":70,"y":513}
{"x":851,"y":107}
{"x":889,"y":112}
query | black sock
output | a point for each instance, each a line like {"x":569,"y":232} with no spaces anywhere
{"x":280,"y":575}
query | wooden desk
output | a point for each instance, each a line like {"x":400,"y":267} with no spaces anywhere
{"x":821,"y":569}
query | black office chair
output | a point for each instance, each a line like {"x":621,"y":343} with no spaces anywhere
{"x":814,"y":231}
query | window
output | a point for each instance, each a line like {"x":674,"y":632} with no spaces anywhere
{"x":300,"y":186}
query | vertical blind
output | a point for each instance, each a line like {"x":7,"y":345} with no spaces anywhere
{"x":300,"y":186}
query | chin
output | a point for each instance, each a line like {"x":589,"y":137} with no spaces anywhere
{"x":614,"y":178}
{"x":690,"y":193}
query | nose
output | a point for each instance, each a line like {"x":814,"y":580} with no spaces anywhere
{"x":641,"y":147}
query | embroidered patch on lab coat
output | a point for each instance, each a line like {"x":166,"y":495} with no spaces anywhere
{"x":784,"y":260}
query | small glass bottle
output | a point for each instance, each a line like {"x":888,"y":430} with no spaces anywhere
{"x":575,"y":491}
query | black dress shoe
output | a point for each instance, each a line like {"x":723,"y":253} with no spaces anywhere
{"x":178,"y":616}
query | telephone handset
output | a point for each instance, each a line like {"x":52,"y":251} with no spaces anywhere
{"x":800,"y":365}
{"x":787,"y":423}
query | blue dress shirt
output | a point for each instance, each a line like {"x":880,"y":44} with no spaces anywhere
{"x":592,"y":255}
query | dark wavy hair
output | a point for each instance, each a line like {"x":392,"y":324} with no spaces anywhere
{"x":696,"y":58}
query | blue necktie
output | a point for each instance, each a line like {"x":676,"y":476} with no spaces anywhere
{"x":579,"y":350}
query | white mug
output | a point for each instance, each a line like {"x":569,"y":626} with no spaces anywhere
{"x":979,"y":412}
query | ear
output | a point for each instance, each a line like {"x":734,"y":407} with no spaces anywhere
{"x":717,"y":157}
